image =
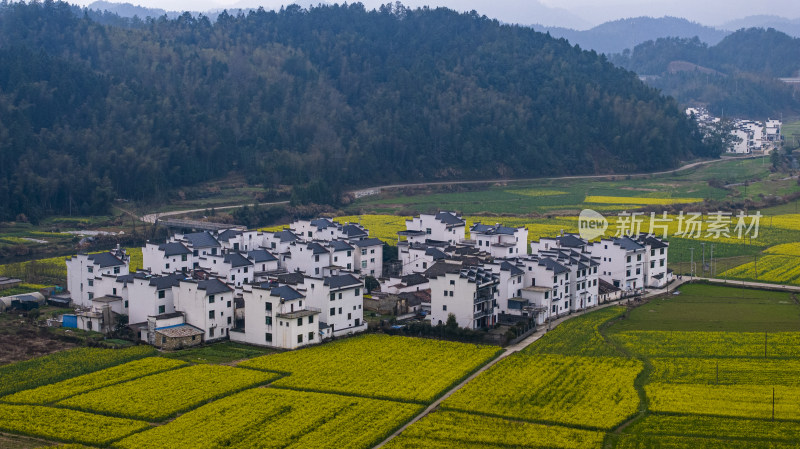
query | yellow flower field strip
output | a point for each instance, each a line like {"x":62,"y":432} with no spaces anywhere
{"x":378,"y":366}
{"x":446,"y":429}
{"x":726,"y":371}
{"x":788,"y":221}
{"x":786,"y":249}
{"x":160,"y":396}
{"x":63,"y":365}
{"x":579,"y":336}
{"x":709,"y":344}
{"x":537,"y":192}
{"x":554,"y":389}
{"x":771,"y":268}
{"x":643,"y":441}
{"x":65,"y":425}
{"x":712,"y":426}
{"x":132,"y":370}
{"x":747,"y":401}
{"x":639,"y":200}
{"x":278,"y":418}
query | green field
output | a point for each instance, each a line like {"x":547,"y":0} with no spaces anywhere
{"x":701,"y":307}
{"x":561,"y":195}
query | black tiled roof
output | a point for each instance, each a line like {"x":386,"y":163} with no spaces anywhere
{"x":286,"y":236}
{"x":261,"y":255}
{"x":316,"y":248}
{"x":368,"y":242}
{"x":105,"y":260}
{"x":339,"y":245}
{"x":413,"y":279}
{"x":441,"y":268}
{"x":515,"y":270}
{"x":449,"y":219}
{"x":291,"y":278}
{"x":285,"y":292}
{"x":435,"y":253}
{"x":341,"y":281}
{"x":228,"y":234}
{"x":237,"y":260}
{"x":570,"y":241}
{"x":174,"y":249}
{"x":351,"y":230}
{"x":165,"y":282}
{"x":628,"y":244}
{"x":201,"y":240}
{"x":213,"y":286}
{"x":551,"y":264}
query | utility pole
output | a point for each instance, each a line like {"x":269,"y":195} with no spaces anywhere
{"x":691,"y":262}
{"x":703,"y":244}
{"x":712,"y":260}
{"x":756,"y":265}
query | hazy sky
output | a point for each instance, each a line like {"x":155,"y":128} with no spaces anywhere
{"x":571,"y":13}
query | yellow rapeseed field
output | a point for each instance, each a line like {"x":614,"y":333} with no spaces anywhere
{"x":277,"y":418}
{"x":554,"y":388}
{"x":157,"y":397}
{"x":55,"y":392}
{"x":446,"y":429}
{"x":379,"y":366}
{"x":70,"y":426}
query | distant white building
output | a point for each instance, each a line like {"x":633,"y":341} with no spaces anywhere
{"x":207,"y":305}
{"x":442,"y":226}
{"x":84,"y":269}
{"x":656,"y":272}
{"x":279,"y":317}
{"x":622,"y":262}
{"x":500,"y":241}
{"x":467,"y":293}
{"x":368,"y":257}
{"x":340,"y":299}
{"x":167,"y":257}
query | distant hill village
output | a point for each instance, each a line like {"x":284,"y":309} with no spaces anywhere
{"x":306,"y":283}
{"x":749,"y":135}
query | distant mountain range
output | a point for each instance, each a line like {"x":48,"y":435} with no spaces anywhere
{"x":619,"y":35}
{"x":788,"y":26}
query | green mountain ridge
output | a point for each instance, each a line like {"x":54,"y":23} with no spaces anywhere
{"x":329,"y":97}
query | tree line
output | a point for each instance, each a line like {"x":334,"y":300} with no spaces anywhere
{"x":95,"y":108}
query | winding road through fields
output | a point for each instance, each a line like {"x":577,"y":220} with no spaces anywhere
{"x":368,"y":191}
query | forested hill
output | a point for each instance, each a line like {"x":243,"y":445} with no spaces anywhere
{"x":330,"y":97}
{"x":738,"y":76}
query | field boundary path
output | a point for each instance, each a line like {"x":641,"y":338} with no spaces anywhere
{"x":739,"y":283}
{"x":368,"y":191}
{"x":512,"y":350}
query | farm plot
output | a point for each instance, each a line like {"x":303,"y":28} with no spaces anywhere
{"x":726,"y":371}
{"x":66,"y":425}
{"x":639,"y":200}
{"x":160,"y":396}
{"x":579,"y":336}
{"x":747,"y":401}
{"x":378,"y":366}
{"x":777,"y":269}
{"x":55,"y":392}
{"x":710,"y":344}
{"x":447,"y":429}
{"x":63,"y":365}
{"x":554,"y":389}
{"x":278,"y":418}
{"x":714,"y":427}
{"x":674,"y":442}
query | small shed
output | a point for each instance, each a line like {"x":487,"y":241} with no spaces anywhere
{"x":178,"y":336}
{"x":6,"y":282}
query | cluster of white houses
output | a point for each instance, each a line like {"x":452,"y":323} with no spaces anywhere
{"x":750,"y":135}
{"x":304,"y":284}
